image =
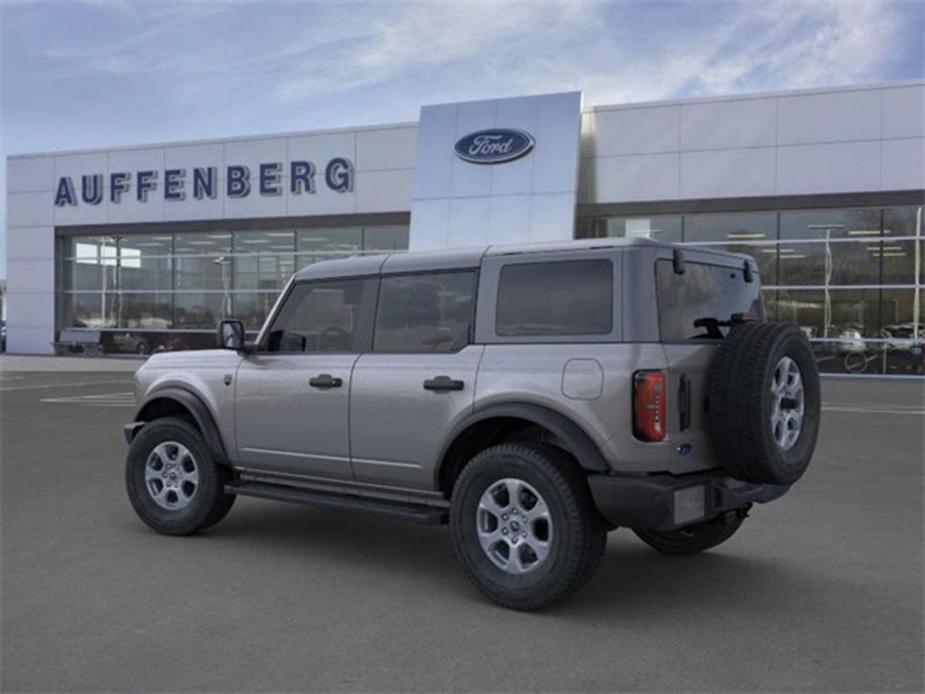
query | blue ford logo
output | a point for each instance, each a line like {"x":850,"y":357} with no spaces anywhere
{"x":494,"y":146}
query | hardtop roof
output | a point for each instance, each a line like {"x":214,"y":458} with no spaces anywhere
{"x":462,"y":258}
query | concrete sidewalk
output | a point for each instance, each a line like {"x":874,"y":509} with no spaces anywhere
{"x":23,"y":362}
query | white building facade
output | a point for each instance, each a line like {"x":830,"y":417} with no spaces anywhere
{"x":143,"y":248}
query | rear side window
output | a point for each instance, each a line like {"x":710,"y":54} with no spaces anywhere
{"x":568,"y":297}
{"x":425,"y":313}
{"x":703,"y":291}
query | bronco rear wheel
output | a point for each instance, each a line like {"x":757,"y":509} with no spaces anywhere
{"x":524,"y":525}
{"x":764,"y":403}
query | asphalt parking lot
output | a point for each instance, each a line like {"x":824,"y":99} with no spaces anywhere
{"x":822,"y":590}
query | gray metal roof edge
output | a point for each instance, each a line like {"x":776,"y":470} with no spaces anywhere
{"x":458,"y":258}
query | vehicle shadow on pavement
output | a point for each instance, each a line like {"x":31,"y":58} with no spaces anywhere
{"x":345,"y":538}
{"x":633,"y":579}
{"x":636,"y":581}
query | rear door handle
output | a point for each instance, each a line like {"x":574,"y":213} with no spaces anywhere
{"x":325,"y":381}
{"x":443,"y":383}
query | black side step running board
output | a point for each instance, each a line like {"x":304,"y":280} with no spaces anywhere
{"x":417,"y":513}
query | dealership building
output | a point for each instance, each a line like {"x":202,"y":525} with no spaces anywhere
{"x":135,"y":249}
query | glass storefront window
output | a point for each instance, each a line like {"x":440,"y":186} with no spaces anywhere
{"x":203,"y":243}
{"x":322,"y":243}
{"x":826,"y":264}
{"x":144,"y":262}
{"x":151,"y":289}
{"x":830,"y":224}
{"x":665,"y":228}
{"x":738,"y":226}
{"x":203,"y":272}
{"x":769,"y":298}
{"x":90,"y":310}
{"x":903,"y":261}
{"x":145,"y":310}
{"x":145,"y":245}
{"x":765,"y":256}
{"x":385,"y":238}
{"x":201,"y":310}
{"x":900,"y":314}
{"x":855,"y":277}
{"x":854,"y":310}
{"x":330,"y":240}
{"x":899,"y":260}
{"x":203,"y":260}
{"x":88,"y":263}
{"x":92,"y":249}
{"x":263,"y":259}
{"x":263,"y":271}
{"x":590,"y":227}
{"x":838,"y":314}
{"x":85,"y":275}
{"x":902,"y":221}
{"x":251,"y":242}
{"x":146,"y":273}
{"x":252,"y":308}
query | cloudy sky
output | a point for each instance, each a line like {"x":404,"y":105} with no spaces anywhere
{"x":79,"y":74}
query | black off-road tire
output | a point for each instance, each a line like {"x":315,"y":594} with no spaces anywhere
{"x":577,"y":540}
{"x":694,"y":538}
{"x":740,"y":403}
{"x":208,"y":505}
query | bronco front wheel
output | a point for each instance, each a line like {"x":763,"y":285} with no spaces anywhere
{"x":173,"y":481}
{"x":524,"y":525}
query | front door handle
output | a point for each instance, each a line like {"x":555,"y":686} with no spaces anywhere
{"x":325,"y":381}
{"x":443,"y":383}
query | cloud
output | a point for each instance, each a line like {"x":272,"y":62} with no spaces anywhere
{"x":142,"y":71}
{"x":784,"y":45}
{"x":86,"y":73}
{"x":614,"y":52}
{"x":408,"y":38}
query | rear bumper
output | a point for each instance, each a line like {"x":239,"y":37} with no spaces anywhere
{"x":665,"y":502}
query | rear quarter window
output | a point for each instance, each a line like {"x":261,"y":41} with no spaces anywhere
{"x":703,"y":291}
{"x":566,"y":297}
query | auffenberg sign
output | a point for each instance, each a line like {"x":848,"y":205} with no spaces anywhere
{"x":203,"y":182}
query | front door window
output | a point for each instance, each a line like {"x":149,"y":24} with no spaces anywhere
{"x":322,"y":317}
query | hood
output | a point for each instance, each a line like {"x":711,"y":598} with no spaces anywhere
{"x":198,"y":358}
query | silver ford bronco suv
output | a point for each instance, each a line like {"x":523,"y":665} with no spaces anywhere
{"x":532,"y":397}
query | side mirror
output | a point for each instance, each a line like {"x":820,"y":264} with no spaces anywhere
{"x":231,"y":335}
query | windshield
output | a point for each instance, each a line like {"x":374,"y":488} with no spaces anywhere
{"x":702,"y":292}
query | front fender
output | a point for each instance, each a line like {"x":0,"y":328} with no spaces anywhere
{"x":191,"y":402}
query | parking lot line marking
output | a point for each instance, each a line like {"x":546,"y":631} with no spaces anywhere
{"x":121,"y":399}
{"x":871,"y":410}
{"x":46,"y":386}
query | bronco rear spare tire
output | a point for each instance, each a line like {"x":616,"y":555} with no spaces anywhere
{"x":763,"y":402}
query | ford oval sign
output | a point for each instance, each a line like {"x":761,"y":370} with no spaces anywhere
{"x":494,"y":146}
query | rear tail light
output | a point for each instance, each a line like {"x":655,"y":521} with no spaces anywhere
{"x":649,"y":407}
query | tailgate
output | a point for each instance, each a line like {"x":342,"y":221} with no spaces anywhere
{"x":709,"y":286}
{"x":688,"y":371}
